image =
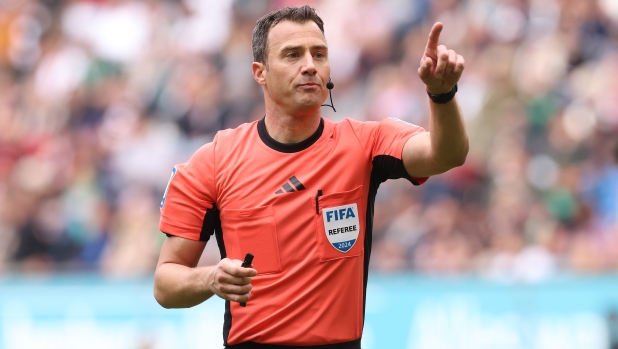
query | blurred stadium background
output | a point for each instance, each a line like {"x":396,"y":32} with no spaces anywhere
{"x":516,"y":249}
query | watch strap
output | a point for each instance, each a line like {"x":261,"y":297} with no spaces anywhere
{"x":444,"y":97}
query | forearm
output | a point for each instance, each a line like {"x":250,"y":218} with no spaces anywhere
{"x":179,"y":286}
{"x":449,"y":140}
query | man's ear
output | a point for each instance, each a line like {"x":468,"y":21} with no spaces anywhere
{"x":259,"y":72}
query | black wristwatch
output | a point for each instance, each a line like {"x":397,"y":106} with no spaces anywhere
{"x":443,"y":98}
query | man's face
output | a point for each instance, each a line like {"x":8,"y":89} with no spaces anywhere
{"x":297,"y":67}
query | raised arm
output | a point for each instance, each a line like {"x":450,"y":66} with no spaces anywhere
{"x":180,"y":284}
{"x":446,"y":144}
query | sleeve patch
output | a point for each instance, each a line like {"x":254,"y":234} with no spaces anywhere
{"x":167,"y":188}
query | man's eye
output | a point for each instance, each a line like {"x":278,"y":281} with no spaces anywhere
{"x":320,"y":55}
{"x":292,"y":55}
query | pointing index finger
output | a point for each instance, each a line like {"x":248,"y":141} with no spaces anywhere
{"x":432,"y":41}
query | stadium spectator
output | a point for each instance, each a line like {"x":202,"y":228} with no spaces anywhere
{"x":540,"y":101}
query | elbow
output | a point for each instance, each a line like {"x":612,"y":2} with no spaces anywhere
{"x":463,"y":154}
{"x":161,"y":292}
{"x":458,"y":159}
{"x":160,"y":298}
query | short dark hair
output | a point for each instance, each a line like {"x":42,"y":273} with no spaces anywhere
{"x":259,"y":44}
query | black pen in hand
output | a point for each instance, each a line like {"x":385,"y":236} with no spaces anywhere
{"x":246,"y":264}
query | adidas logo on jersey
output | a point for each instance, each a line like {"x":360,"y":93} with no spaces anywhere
{"x":287,"y":188}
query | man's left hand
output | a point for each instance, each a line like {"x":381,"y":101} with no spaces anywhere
{"x":440,"y":67}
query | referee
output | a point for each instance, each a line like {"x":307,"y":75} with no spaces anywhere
{"x":298,"y":191}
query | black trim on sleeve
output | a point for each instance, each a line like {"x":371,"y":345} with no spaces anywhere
{"x":389,"y":167}
{"x":252,"y":345}
{"x":285,"y":147}
{"x":211,"y":221}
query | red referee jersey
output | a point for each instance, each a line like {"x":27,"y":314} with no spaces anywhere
{"x":305,"y":210}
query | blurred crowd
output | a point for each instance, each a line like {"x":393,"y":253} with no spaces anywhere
{"x":99,"y":99}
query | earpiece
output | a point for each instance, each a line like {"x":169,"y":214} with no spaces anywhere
{"x":330,"y":86}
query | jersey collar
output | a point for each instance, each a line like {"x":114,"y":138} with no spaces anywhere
{"x":288,"y":147}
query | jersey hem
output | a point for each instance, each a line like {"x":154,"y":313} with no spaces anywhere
{"x":170,"y":229}
{"x":356,"y":344}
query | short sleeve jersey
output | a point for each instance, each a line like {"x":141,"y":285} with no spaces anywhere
{"x":304,"y":210}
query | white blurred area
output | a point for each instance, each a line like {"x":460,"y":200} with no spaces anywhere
{"x":99,"y":99}
{"x":402,"y":311}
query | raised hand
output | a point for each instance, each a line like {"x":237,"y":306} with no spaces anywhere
{"x":440,"y":67}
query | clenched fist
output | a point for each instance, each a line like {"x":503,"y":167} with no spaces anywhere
{"x":230,"y":281}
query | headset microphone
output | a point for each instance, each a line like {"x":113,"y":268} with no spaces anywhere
{"x":329,"y":86}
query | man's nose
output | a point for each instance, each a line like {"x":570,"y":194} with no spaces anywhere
{"x":309,"y":65}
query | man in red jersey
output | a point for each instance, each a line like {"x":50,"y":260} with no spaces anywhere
{"x":297,"y":191}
